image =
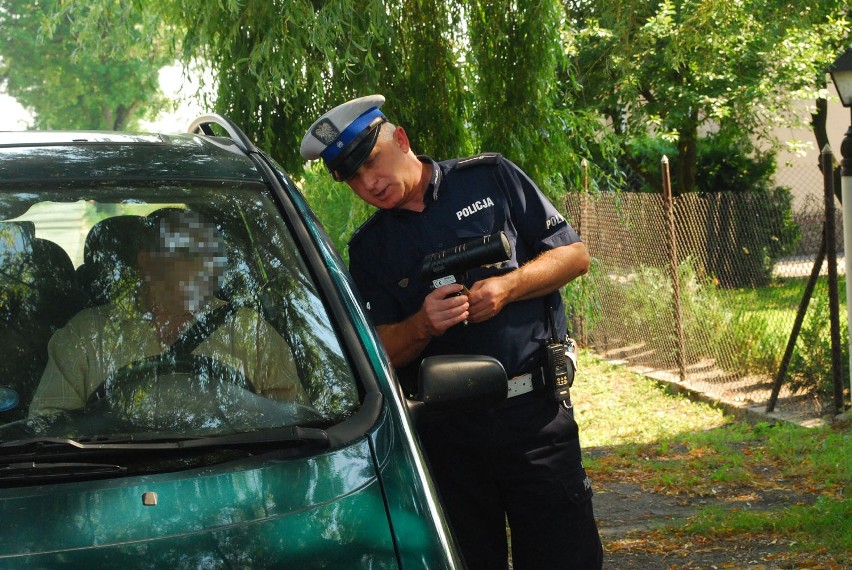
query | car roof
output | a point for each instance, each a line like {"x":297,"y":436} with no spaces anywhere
{"x":101,"y":155}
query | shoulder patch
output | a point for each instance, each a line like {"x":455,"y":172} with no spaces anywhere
{"x":359,"y":233}
{"x":479,"y":160}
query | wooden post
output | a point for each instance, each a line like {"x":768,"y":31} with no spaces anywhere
{"x":671,"y":243}
{"x":827,"y":248}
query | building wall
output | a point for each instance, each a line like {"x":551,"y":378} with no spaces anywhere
{"x":801,"y":173}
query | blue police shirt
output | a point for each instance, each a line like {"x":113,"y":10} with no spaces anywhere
{"x":466,"y":199}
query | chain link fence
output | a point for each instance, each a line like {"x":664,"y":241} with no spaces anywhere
{"x":742,"y":261}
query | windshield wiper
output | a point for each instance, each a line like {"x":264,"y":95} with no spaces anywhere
{"x":60,"y":446}
{"x":36,"y":472}
{"x":36,"y":460}
{"x":314,"y":436}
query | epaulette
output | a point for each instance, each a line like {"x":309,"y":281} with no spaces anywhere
{"x":358,"y":233}
{"x":479,"y":159}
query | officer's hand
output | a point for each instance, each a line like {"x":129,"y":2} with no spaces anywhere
{"x":487,"y":298}
{"x":444,"y":308}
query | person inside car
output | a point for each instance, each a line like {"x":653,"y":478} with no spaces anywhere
{"x":180,"y":267}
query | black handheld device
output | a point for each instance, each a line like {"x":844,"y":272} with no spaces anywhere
{"x":448,"y":266}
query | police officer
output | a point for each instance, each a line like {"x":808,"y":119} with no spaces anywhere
{"x":520,"y":462}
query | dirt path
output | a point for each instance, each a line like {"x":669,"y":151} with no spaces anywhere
{"x":630,"y":520}
{"x":633,"y":524}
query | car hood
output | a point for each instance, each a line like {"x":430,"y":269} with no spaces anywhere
{"x":326,"y":511}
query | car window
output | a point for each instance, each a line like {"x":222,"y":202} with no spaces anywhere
{"x":155,"y":311}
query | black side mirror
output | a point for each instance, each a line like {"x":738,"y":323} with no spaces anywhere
{"x":459,"y":383}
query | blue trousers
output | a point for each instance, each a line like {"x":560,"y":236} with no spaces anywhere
{"x":520,"y":463}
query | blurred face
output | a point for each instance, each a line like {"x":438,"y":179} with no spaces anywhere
{"x":179,"y":281}
{"x":390,"y":176}
{"x":185,"y":270}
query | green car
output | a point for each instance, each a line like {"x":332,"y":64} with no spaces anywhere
{"x":188,"y":378}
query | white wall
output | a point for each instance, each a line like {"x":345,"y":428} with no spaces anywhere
{"x":801,"y":173}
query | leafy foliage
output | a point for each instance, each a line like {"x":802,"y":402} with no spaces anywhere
{"x":339,"y":209}
{"x":277,"y":63}
{"x":528,"y":79}
{"x":723,"y":164}
{"x":677,"y":67}
{"x":69,"y":88}
{"x":525,"y":99}
{"x":456,"y":85}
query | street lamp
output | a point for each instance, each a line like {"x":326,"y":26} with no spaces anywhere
{"x":841,"y":74}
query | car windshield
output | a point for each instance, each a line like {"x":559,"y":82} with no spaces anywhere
{"x":152,"y":312}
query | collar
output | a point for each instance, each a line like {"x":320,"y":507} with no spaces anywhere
{"x":437,"y":177}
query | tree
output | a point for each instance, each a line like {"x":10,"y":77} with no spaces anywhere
{"x":66,"y":87}
{"x":279,"y":64}
{"x":678,"y":68}
{"x":526,"y":96}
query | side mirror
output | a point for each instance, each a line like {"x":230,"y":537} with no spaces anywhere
{"x":459,"y":383}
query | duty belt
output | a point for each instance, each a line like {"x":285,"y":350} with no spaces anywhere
{"x":525,"y":383}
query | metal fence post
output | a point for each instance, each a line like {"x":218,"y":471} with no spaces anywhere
{"x":827,"y":162}
{"x":797,"y":325}
{"x":671,"y":248}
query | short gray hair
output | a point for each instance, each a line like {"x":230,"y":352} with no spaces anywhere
{"x":387,"y":130}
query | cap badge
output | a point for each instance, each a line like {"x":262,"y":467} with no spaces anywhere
{"x":326,"y":132}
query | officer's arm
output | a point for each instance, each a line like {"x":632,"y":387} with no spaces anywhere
{"x":549,"y":271}
{"x":544,"y":274}
{"x":405,"y":340}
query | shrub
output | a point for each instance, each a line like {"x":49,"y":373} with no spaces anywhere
{"x":639,"y":305}
{"x":810,"y":365}
{"x":743,"y":235}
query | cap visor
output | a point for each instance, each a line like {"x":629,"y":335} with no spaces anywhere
{"x":351,"y":158}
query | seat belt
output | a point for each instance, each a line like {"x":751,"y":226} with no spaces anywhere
{"x":201,"y":330}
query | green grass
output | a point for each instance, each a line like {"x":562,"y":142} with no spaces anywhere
{"x":821,"y":526}
{"x":779,"y":302}
{"x":638,"y":431}
{"x":615,"y":407}
{"x":782,"y":294}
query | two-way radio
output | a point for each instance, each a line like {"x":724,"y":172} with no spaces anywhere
{"x":559,"y":363}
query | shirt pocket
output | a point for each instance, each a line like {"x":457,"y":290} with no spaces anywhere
{"x":399,"y":293}
{"x":479,"y":223}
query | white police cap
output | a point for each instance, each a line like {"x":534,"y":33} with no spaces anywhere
{"x":345,"y":136}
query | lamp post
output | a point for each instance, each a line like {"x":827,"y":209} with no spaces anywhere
{"x":841,"y":74}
